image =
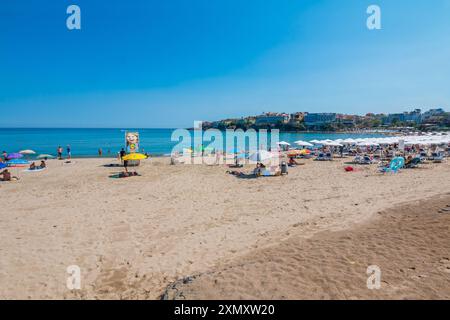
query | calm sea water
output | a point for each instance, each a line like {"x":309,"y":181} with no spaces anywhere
{"x":86,"y":142}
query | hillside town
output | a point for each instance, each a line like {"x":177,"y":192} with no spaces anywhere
{"x":433,"y":119}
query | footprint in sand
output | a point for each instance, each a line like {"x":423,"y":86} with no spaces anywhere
{"x":445,"y":265}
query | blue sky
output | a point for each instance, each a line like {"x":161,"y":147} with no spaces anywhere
{"x":168,"y":63}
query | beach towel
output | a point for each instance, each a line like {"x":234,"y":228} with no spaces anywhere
{"x":34,"y":170}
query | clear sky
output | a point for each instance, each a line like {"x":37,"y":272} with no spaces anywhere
{"x":146,"y":63}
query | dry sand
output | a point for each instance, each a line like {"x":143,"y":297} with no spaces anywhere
{"x":409,"y":244}
{"x":133,"y":237}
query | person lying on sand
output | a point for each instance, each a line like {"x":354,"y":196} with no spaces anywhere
{"x":6,"y":176}
{"x":259,"y":169}
{"x":292,"y":162}
{"x":234,"y":173}
{"x":126,"y":174}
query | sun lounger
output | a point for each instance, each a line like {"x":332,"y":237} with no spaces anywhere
{"x":395,"y":165}
{"x":437,"y":157}
{"x":321,"y":157}
{"x":413,"y":163}
{"x":362,"y":160}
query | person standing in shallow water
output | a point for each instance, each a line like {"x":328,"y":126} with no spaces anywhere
{"x":100,"y":152}
{"x":59,"y":151}
{"x":69,"y":152}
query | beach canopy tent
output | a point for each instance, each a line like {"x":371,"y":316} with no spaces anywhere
{"x":43,"y":156}
{"x":14,"y":156}
{"x":27,"y":152}
{"x":134,"y":156}
{"x":302,"y":143}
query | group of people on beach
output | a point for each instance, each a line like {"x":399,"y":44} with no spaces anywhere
{"x":42,"y":165}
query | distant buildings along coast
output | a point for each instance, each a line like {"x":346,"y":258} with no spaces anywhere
{"x":433,"y":119}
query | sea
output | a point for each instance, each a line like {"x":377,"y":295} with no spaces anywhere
{"x":85,"y":142}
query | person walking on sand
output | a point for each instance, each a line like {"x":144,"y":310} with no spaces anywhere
{"x":59,"y":151}
{"x":69,"y":152}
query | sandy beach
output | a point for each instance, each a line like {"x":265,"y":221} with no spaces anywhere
{"x":310,"y":234}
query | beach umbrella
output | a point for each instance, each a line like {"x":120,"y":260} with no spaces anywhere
{"x":17,"y":162}
{"x":305,"y":151}
{"x":43,"y":156}
{"x":2,"y":165}
{"x":332,"y":144}
{"x":367,"y":144}
{"x":261,"y":155}
{"x":303,"y":143}
{"x":316,"y":141}
{"x":283,"y":143}
{"x":135,"y":156}
{"x":293,"y":153}
{"x":349,"y":141}
{"x":27,"y":152}
{"x":14,"y":156}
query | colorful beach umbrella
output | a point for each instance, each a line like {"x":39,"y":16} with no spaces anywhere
{"x":135,"y":156}
{"x":17,"y":162}
{"x":27,"y":152}
{"x":14,"y":156}
{"x":2,"y":165}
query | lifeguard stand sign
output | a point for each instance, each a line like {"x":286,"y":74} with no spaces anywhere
{"x":132,"y":142}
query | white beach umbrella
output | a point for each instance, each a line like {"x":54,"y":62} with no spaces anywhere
{"x":283,"y":143}
{"x":27,"y":152}
{"x":316,"y":141}
{"x":349,"y":141}
{"x":333,"y":144}
{"x":261,"y":155}
{"x":367,"y":144}
{"x":303,"y":143}
{"x":43,"y":156}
